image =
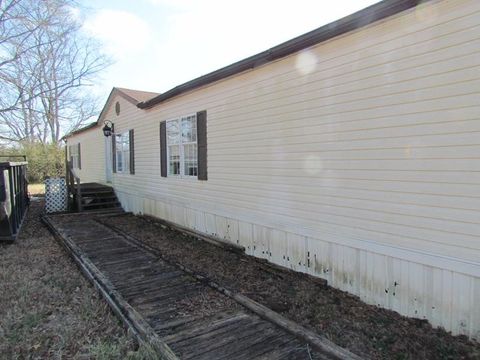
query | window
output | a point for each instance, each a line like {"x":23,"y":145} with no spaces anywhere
{"x":122,"y":152}
{"x":74,"y":151}
{"x":182,"y":146}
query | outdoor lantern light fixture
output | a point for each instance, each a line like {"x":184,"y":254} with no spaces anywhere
{"x":108,"y":128}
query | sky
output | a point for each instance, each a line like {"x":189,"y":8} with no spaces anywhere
{"x":156,"y":45}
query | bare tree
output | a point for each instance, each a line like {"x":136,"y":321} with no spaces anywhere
{"x":15,"y":30}
{"x":47,"y":72}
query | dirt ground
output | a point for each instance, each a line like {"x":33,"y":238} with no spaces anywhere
{"x":47,"y":309}
{"x":366,"y":330}
{"x":36,"y":189}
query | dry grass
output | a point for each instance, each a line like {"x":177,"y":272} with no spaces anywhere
{"x":36,"y":189}
{"x":48,"y":310}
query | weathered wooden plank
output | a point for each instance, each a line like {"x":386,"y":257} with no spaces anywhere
{"x":145,"y":281}
{"x":98,"y":239}
{"x":130,"y":261}
{"x":210,"y":345}
{"x":158,"y":312}
{"x":137,"y":278}
{"x":259,"y":346}
{"x":121,"y":269}
{"x":106,"y":253}
{"x":157,"y":295}
{"x":85,"y":231}
{"x":88,"y":236}
{"x":97,"y":246}
{"x":160,"y":326}
{"x":161,"y":291}
{"x":172,"y":295}
{"x":129,"y":316}
{"x":197,"y":321}
{"x":144,"y":290}
{"x":166,"y":299}
{"x":294,"y":353}
{"x":109,"y":260}
{"x":114,"y":253}
{"x":205,"y":327}
{"x":284,"y":347}
{"x":103,"y":244}
{"x":120,"y":272}
{"x":189,"y":348}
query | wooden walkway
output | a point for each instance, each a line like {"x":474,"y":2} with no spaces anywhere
{"x":145,"y":291}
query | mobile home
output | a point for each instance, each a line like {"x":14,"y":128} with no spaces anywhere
{"x":351,"y":153}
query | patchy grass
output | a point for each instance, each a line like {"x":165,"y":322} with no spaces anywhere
{"x":109,"y":351}
{"x":145,"y":352}
{"x":48,"y":310}
{"x":36,"y":189}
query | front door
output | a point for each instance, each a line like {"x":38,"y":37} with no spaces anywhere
{"x":108,"y":158}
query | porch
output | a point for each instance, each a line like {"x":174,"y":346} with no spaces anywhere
{"x":89,"y":196}
{"x":96,"y":197}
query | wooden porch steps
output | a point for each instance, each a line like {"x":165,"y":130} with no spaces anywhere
{"x":94,"y":196}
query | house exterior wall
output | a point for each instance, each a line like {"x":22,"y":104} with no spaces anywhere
{"x":357,"y":160}
{"x":92,"y":153}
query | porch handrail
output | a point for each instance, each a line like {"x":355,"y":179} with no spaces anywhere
{"x":74,"y":183}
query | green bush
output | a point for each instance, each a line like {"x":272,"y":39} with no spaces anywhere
{"x":43,"y":160}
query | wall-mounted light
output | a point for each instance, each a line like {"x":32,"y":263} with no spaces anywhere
{"x":108,"y":128}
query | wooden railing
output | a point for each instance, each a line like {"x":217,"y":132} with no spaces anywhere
{"x":13,"y":198}
{"x":73,"y":185}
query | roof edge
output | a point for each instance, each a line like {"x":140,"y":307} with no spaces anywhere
{"x":125,"y":96}
{"x":82,"y":129}
{"x":115,"y":91}
{"x":357,"y":20}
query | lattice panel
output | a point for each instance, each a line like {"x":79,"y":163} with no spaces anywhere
{"x":55,"y":195}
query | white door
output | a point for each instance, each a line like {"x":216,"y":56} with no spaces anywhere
{"x":108,"y":158}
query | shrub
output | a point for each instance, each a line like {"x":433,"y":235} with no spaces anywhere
{"x":43,"y":159}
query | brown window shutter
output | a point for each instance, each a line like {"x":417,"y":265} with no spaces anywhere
{"x":202,"y":144}
{"x":132,"y":151}
{"x":114,"y":153}
{"x":163,"y":149}
{"x":79,"y":156}
{"x":66,"y":155}
{"x":70,"y":154}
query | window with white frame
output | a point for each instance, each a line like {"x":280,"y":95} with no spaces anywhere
{"x":122,"y":155}
{"x":74,"y":155}
{"x":182,"y":146}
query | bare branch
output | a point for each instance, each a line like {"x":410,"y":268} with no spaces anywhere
{"x":46,"y":65}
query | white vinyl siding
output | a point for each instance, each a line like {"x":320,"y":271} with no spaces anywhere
{"x":182,"y":146}
{"x":361,"y":166}
{"x":74,"y":156}
{"x":122,"y":148}
{"x":376,"y":142}
{"x":93,"y":154}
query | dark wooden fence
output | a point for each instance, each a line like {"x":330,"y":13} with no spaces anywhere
{"x":13,"y":198}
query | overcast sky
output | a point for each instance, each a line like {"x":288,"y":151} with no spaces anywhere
{"x":158,"y":44}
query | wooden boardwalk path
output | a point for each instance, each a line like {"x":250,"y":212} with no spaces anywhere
{"x":151,"y":295}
